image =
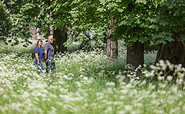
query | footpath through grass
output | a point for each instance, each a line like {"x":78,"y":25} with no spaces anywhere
{"x":84,"y":83}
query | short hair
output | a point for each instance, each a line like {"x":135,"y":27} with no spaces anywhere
{"x":50,"y":37}
{"x":38,"y":42}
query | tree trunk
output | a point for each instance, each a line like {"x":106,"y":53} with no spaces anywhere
{"x":60,"y":37}
{"x":112,"y":46}
{"x":135,"y":54}
{"x":112,"y":49}
{"x":172,"y":51}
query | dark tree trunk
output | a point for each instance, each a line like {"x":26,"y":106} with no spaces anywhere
{"x":172,"y":51}
{"x":135,"y":54}
{"x":112,"y":49}
{"x":60,"y":37}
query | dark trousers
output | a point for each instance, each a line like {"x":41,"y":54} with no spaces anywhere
{"x":50,"y":65}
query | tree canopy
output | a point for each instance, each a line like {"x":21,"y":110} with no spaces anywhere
{"x":147,"y":21}
{"x":22,"y":14}
{"x":4,"y":20}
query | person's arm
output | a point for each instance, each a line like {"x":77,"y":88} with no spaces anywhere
{"x":37,"y":57}
{"x":45,"y":51}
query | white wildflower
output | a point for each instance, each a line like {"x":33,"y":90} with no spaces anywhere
{"x":160,"y":77}
{"x":169,"y":78}
{"x":110,"y":83}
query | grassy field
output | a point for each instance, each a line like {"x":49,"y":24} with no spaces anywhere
{"x":87,"y":82}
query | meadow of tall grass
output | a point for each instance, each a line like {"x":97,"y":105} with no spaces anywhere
{"x":87,"y":82}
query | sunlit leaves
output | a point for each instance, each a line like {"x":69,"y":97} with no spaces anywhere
{"x":141,"y":1}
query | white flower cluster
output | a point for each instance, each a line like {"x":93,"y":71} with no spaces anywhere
{"x":83,"y":83}
{"x":165,"y":71}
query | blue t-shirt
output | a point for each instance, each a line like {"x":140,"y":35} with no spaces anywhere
{"x":40,"y":53}
{"x":50,"y":50}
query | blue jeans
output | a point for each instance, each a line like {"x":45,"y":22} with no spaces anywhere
{"x":40,"y":67}
{"x":50,"y":65}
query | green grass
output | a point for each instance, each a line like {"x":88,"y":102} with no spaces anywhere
{"x":86,"y":82}
{"x":7,"y":48}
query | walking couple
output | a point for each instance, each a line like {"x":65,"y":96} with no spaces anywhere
{"x":47,"y":55}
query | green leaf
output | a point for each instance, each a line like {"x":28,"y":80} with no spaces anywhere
{"x":183,"y":37}
{"x":102,"y":2}
{"x":141,"y":1}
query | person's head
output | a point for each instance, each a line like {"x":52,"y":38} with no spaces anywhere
{"x":50,"y":39}
{"x":39,"y":43}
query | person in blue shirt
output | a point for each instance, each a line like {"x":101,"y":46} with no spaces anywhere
{"x":39,"y":56}
{"x":49,"y":55}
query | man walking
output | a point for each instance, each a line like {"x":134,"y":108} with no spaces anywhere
{"x":49,"y":55}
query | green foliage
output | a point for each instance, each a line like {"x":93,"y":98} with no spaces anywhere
{"x":171,"y":18}
{"x":11,"y":45}
{"x":136,"y":18}
{"x":24,"y":14}
{"x":4,"y":21}
{"x":148,"y":21}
